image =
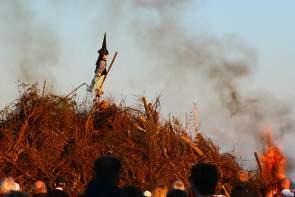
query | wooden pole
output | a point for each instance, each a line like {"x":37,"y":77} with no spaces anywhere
{"x":258,"y":161}
{"x":192,"y":145}
{"x":113,"y":60}
{"x":44,"y":86}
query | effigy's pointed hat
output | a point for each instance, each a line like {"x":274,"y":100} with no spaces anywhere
{"x":104,"y":50}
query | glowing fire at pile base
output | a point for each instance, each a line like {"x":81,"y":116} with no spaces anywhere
{"x":273,"y":163}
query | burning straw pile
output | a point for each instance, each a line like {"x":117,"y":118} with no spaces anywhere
{"x":43,"y":136}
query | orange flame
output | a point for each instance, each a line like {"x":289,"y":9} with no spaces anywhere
{"x":273,"y":162}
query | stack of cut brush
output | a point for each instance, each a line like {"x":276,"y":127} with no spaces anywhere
{"x":43,"y":136}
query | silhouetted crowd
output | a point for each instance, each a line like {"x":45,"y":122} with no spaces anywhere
{"x":204,"y":178}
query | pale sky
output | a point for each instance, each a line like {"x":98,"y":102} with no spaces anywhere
{"x":264,"y":25}
{"x":267,"y":26}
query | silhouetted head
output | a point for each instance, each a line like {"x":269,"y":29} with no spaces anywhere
{"x":131,"y":191}
{"x":176,"y":193}
{"x":60,"y":182}
{"x":204,"y":178}
{"x":243,"y":190}
{"x":17,"y":194}
{"x":107,"y":169}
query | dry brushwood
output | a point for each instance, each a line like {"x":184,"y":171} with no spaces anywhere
{"x":43,"y":136}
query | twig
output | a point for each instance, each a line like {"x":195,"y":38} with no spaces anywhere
{"x":145,"y":103}
{"x":44,"y":86}
{"x":76,"y":89}
{"x":225,"y":191}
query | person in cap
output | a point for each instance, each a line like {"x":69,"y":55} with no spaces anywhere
{"x":59,"y":188}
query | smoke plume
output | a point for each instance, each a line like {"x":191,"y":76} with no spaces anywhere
{"x":176,"y":59}
{"x":32,"y":48}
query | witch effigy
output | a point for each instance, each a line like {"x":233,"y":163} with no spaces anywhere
{"x":100,"y":70}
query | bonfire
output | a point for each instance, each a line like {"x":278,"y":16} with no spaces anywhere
{"x":273,"y":165}
{"x":44,"y":136}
